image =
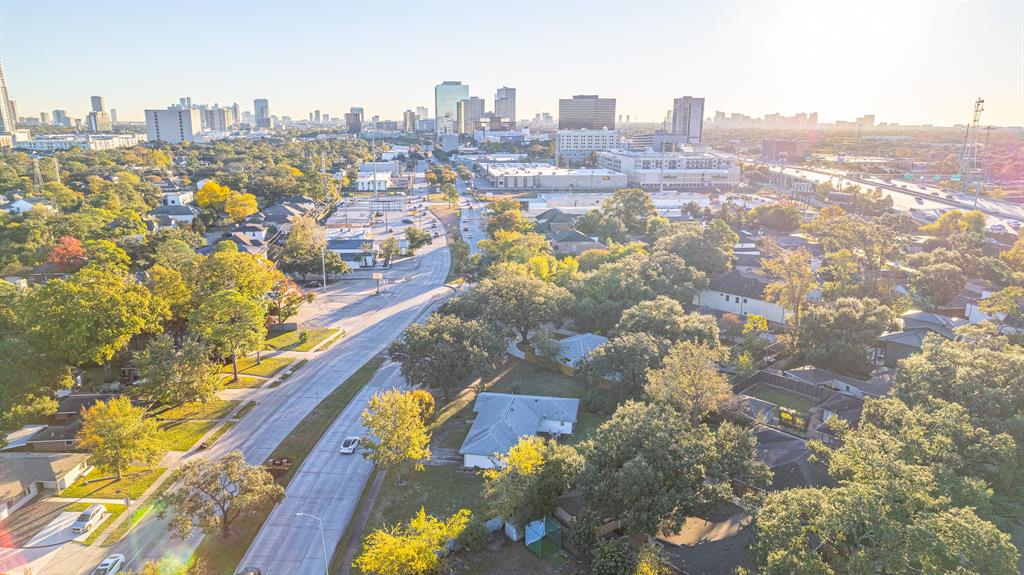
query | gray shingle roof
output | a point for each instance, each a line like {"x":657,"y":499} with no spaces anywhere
{"x":736,"y":282}
{"x":577,"y":347}
{"x":20,"y":470}
{"x":503,"y":418}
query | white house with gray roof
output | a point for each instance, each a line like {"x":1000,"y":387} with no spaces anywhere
{"x":502,"y":418}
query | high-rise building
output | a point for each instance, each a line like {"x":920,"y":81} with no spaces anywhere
{"x":97,"y":103}
{"x":113,"y":116}
{"x":98,"y":122}
{"x":316,"y":116}
{"x":44,"y":118}
{"x":422,"y":112}
{"x":447,"y":96}
{"x":261,"y":112}
{"x":688,"y":118}
{"x":173,"y":125}
{"x":359,"y":112}
{"x":218,"y":119}
{"x":60,"y":118}
{"x":236,"y":112}
{"x":8,"y":114}
{"x":468,"y":114}
{"x":409,"y":121}
{"x":185,"y":102}
{"x":505,"y":104}
{"x":354,"y":122}
{"x":586,"y":112}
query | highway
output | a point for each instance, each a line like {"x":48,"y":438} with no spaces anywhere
{"x":472,"y":222}
{"x":371,"y":322}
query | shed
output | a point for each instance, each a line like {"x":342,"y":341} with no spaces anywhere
{"x":544,"y":537}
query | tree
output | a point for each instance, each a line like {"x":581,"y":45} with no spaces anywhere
{"x":784,"y":218}
{"x":229,"y":269}
{"x":67,"y":255}
{"x":285,"y":300}
{"x":169,"y":288}
{"x":118,"y":434}
{"x":412,"y":549}
{"x":650,"y":468}
{"x":663,"y":318}
{"x":632,"y":207}
{"x":519,"y":302}
{"x":396,"y":429}
{"x":174,"y":375}
{"x":508,"y":221}
{"x":446,"y":352}
{"x":690,"y":381}
{"x":625,"y":360}
{"x":239,"y":206}
{"x":305,"y":251}
{"x":231,"y":324}
{"x":513,"y":247}
{"x":389,"y":248}
{"x":213,"y":196}
{"x":417,"y":238}
{"x":1006,"y":304}
{"x":708,"y":249}
{"x":451,"y":194}
{"x":839,"y":335}
{"x":90,"y":316}
{"x":794,"y":280}
{"x":214,"y":495}
{"x":526,"y":482}
{"x":28,"y":382}
{"x":939,"y":283}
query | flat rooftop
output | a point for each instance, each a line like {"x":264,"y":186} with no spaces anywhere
{"x":541,"y":169}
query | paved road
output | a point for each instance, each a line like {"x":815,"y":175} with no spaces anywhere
{"x":472,"y":218}
{"x":328,"y":485}
{"x":371,"y":323}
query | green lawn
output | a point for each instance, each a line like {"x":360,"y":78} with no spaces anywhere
{"x":244,"y":382}
{"x":213,"y":409}
{"x":440,"y":489}
{"x":134,"y":481}
{"x":291,"y":371}
{"x":126,"y":525}
{"x":504,"y":556}
{"x":781,"y":397}
{"x":299,"y":340}
{"x":266,"y":368}
{"x":245,"y":409}
{"x":529,"y":379}
{"x":220,"y":432}
{"x":216,"y":556}
{"x":182,"y":435}
{"x":114,"y":509}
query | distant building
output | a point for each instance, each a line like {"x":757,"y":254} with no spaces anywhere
{"x":468,"y":114}
{"x":572,"y":147}
{"x":586,"y":112}
{"x":218,"y":119}
{"x":353,"y":122}
{"x":526,"y":176}
{"x":447,"y":96}
{"x":370,"y":182}
{"x":98,"y":122}
{"x":97,"y":103}
{"x":784,"y":151}
{"x":113,"y":116}
{"x":505,"y":105}
{"x":422,"y":113}
{"x":409,"y":121}
{"x":261,"y":112}
{"x":688,"y":118}
{"x":173,"y":126}
{"x":8,"y":114}
{"x":674,"y":170}
{"x":60,"y":118}
{"x":44,"y":118}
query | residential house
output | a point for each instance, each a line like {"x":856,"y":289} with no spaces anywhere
{"x":356,"y":252}
{"x":252,"y":230}
{"x":576,"y":348}
{"x":25,"y":475}
{"x":554,"y":221}
{"x":182,"y":214}
{"x":842,"y":407}
{"x":243,"y":242}
{"x":895,"y":346}
{"x":875,"y":387}
{"x":23,"y":205}
{"x":573,"y":243}
{"x":740,"y":292}
{"x":503,"y":418}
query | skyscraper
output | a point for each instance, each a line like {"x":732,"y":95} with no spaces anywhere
{"x":173,"y":125}
{"x":468,"y":113}
{"x":60,"y":118}
{"x":98,"y":122}
{"x":97,"y":103}
{"x":236,"y":114}
{"x":408,"y":121}
{"x":113,"y":116}
{"x":261,"y":110}
{"x":44,"y":118}
{"x":422,"y":112}
{"x":505,"y":104}
{"x":688,"y":118}
{"x":447,"y":96}
{"x":8,"y":115}
{"x":586,"y":112}
{"x":316,"y":116}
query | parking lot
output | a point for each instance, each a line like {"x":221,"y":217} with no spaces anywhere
{"x":380,"y":218}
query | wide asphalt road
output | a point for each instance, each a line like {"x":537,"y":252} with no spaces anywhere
{"x":371,"y":322}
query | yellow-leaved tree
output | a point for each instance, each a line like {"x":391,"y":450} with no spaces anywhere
{"x":794,"y":280}
{"x":118,"y":434}
{"x":396,"y":429}
{"x":213,"y":195}
{"x":238,"y":206}
{"x":411,"y":549}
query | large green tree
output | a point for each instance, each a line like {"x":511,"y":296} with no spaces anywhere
{"x":529,"y":479}
{"x":173,"y":374}
{"x":231,"y":324}
{"x":839,"y":335}
{"x":690,"y":381}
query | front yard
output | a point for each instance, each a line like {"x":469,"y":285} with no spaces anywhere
{"x":299,"y":340}
{"x":134,"y":481}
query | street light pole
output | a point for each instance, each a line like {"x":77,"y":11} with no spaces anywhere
{"x":323,"y":264}
{"x":323,"y":542}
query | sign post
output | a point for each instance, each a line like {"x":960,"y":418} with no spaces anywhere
{"x":378,"y":276}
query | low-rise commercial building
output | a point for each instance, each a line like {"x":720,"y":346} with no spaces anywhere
{"x":369,"y":182}
{"x":673,"y":171}
{"x":54,"y":142}
{"x":530,"y":176}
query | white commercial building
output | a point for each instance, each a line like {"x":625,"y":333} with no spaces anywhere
{"x":173,"y":126}
{"x":50,"y":143}
{"x":672,"y":170}
{"x":572,"y":147}
{"x":369,"y":182}
{"x":527,"y":176}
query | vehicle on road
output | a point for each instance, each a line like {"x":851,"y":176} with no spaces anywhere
{"x":998,"y":228}
{"x":919,"y":200}
{"x":406,"y":221}
{"x":465,"y":229}
{"x":378,"y":214}
{"x":89,"y":519}
{"x":349,"y":445}
{"x":109,"y":566}
{"x":1013,"y":224}
{"x":250,"y":571}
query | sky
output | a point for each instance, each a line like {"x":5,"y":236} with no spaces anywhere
{"x":906,"y":62}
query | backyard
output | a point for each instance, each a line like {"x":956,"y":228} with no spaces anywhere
{"x":782,"y":397}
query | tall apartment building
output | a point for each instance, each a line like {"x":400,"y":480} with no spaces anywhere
{"x":8,"y":114}
{"x":60,"y":118}
{"x":572,"y":147}
{"x":218,"y":119}
{"x":44,"y":118}
{"x":261,"y":112}
{"x":98,"y":122}
{"x":505,"y":104}
{"x":468,"y":114}
{"x":586,"y":112}
{"x":408,"y":121}
{"x":422,"y":112}
{"x":353,"y":122}
{"x":97,"y":103}
{"x":174,"y":125}
{"x":113,"y":116}
{"x":688,"y":118}
{"x":447,"y":96}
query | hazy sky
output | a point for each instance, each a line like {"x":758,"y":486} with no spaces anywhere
{"x":906,"y":62}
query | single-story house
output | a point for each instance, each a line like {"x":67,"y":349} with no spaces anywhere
{"x":56,"y":438}
{"x":177,"y":197}
{"x":573,"y":242}
{"x":916,"y":326}
{"x":852,"y":386}
{"x":25,"y":475}
{"x":502,"y":418}
{"x":183,"y":214}
{"x":253,"y":230}
{"x":740,"y":292}
{"x":356,"y":252}
{"x":842,"y":407}
{"x":554,"y":221}
{"x":70,"y":406}
{"x":22,"y":205}
{"x":577,"y":347}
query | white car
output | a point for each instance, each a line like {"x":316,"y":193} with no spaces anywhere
{"x":89,"y":519}
{"x":349,"y":445}
{"x":110,"y":565}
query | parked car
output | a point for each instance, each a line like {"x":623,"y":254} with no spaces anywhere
{"x":349,"y":445}
{"x":378,"y":214}
{"x":109,"y":566}
{"x":919,"y":200}
{"x":89,"y":519}
{"x":250,"y":571}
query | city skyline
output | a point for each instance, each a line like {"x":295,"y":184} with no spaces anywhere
{"x":831,"y":58}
